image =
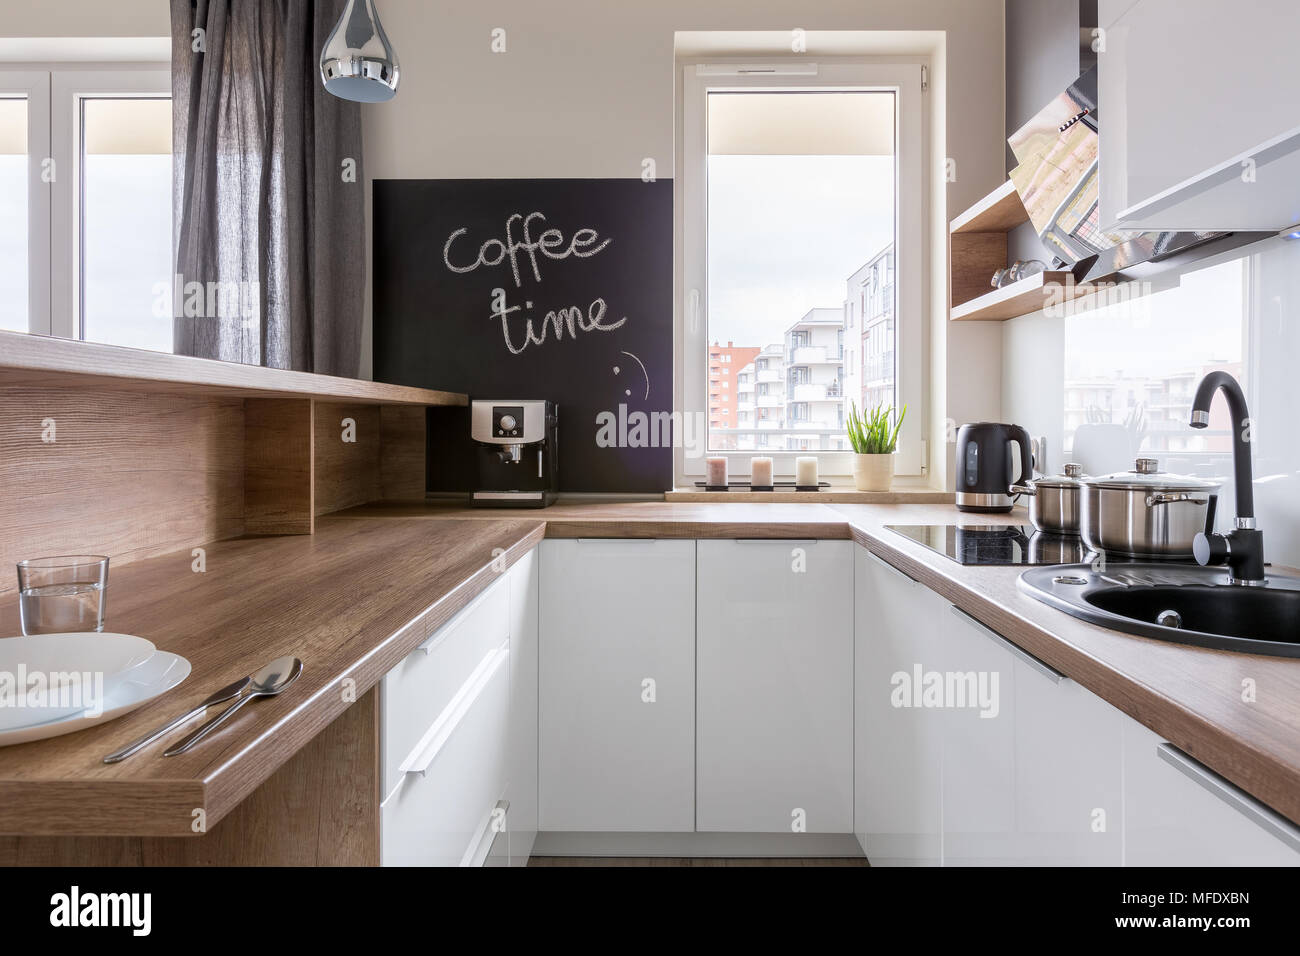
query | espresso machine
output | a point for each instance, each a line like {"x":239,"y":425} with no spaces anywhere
{"x":515,"y":442}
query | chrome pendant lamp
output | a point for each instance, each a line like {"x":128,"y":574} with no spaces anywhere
{"x":358,"y":62}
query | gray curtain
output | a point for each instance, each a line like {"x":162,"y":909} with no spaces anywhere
{"x":270,"y":251}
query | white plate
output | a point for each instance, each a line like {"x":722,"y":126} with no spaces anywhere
{"x":59,"y":661}
{"x":156,"y":676}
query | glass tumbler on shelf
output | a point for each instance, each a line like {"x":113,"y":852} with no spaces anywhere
{"x":62,"y":593}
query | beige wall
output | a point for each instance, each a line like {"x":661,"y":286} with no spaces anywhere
{"x":586,"y":89}
{"x":86,"y":18}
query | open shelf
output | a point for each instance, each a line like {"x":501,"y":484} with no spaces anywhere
{"x":1023,"y":297}
{"x":999,"y":211}
{"x":977,"y":248}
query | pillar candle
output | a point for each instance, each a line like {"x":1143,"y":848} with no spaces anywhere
{"x":805,"y":471}
{"x":760,"y":472}
{"x":716,"y":476}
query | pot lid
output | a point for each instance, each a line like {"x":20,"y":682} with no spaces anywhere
{"x":1146,"y":475}
{"x":1072,"y":478}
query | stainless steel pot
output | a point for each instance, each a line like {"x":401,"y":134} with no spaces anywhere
{"x":1054,"y":500}
{"x":1144,"y":513}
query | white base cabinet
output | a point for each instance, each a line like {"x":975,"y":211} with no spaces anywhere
{"x":458,"y":735}
{"x":974,"y":685}
{"x":1179,"y":813}
{"x":774,"y":698}
{"x":897,"y":742}
{"x":617,"y":668}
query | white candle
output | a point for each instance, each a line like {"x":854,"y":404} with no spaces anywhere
{"x":760,"y":472}
{"x":805,"y":471}
{"x":716,"y":472}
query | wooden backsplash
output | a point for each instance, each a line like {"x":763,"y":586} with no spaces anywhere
{"x":135,"y":474}
{"x":127,"y":474}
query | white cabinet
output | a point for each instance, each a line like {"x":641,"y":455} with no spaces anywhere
{"x":1069,"y":756}
{"x":1199,"y":115}
{"x":521,"y":774}
{"x":458,"y":735}
{"x":974,"y":684}
{"x":897,"y":741}
{"x":774,"y":704}
{"x":1179,"y":813}
{"x":617,"y":666}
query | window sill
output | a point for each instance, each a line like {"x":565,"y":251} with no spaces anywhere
{"x":839,"y":494}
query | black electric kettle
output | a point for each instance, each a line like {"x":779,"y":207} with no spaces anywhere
{"x":984,"y":465}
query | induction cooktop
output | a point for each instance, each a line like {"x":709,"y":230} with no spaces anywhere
{"x":996,"y":544}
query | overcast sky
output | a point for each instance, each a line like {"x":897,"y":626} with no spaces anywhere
{"x":785,"y":232}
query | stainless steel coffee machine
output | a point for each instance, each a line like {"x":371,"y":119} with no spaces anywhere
{"x":517,"y":453}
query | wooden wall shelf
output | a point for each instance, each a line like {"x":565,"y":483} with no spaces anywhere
{"x":999,"y":211}
{"x":977,"y":248}
{"x":45,"y":360}
{"x":1023,"y":297}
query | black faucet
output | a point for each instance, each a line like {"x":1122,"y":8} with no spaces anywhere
{"x":1242,"y":548}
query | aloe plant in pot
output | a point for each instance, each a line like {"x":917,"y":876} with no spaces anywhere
{"x":874,"y":438}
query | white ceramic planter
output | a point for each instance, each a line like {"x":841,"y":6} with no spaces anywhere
{"x":873,"y":472}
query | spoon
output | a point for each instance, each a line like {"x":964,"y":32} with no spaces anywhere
{"x":220,"y":697}
{"x":267,"y":682}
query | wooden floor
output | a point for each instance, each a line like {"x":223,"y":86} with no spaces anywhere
{"x":693,"y":861}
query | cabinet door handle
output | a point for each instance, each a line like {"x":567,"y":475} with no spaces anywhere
{"x":455,"y":621}
{"x":891,"y":569}
{"x":1047,"y":670}
{"x":427,"y":750}
{"x":1232,"y":795}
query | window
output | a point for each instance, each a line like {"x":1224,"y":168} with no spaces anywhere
{"x":85,"y":163}
{"x":800,"y":181}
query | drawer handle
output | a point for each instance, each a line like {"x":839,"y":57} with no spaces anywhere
{"x":1231,"y":794}
{"x":456,"y":620}
{"x":785,"y":542}
{"x":485,"y":837}
{"x":427,"y":750}
{"x":1047,"y":670}
{"x":877,"y":559}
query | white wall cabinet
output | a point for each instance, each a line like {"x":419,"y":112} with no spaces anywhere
{"x":1179,"y":813}
{"x":617,"y":669}
{"x":897,"y":745}
{"x":774,"y":700}
{"x":1199,"y":106}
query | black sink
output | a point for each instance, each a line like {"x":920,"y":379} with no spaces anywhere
{"x":1185,"y":604}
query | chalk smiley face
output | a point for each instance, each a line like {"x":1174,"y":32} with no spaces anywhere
{"x":618,"y":370}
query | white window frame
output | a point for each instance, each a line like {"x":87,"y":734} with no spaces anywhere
{"x":34,"y":86}
{"x":68,"y":88}
{"x":911,"y":267}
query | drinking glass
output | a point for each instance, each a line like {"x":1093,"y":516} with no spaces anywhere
{"x":62,"y":593}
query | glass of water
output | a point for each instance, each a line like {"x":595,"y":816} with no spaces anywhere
{"x":63,"y":593}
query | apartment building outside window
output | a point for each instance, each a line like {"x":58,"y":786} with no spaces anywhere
{"x":797,"y":180}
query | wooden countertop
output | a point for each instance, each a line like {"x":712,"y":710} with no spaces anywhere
{"x":373,"y":582}
{"x":641,"y":519}
{"x":351,"y":601}
{"x":1191,"y":696}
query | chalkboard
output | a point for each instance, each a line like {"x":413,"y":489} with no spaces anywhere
{"x":554,"y":289}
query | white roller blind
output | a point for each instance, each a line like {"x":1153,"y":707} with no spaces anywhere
{"x":13,"y":126}
{"x":127,"y":126}
{"x":801,"y":124}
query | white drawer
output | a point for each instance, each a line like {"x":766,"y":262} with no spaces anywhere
{"x":442,"y":807}
{"x":417,"y":690}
